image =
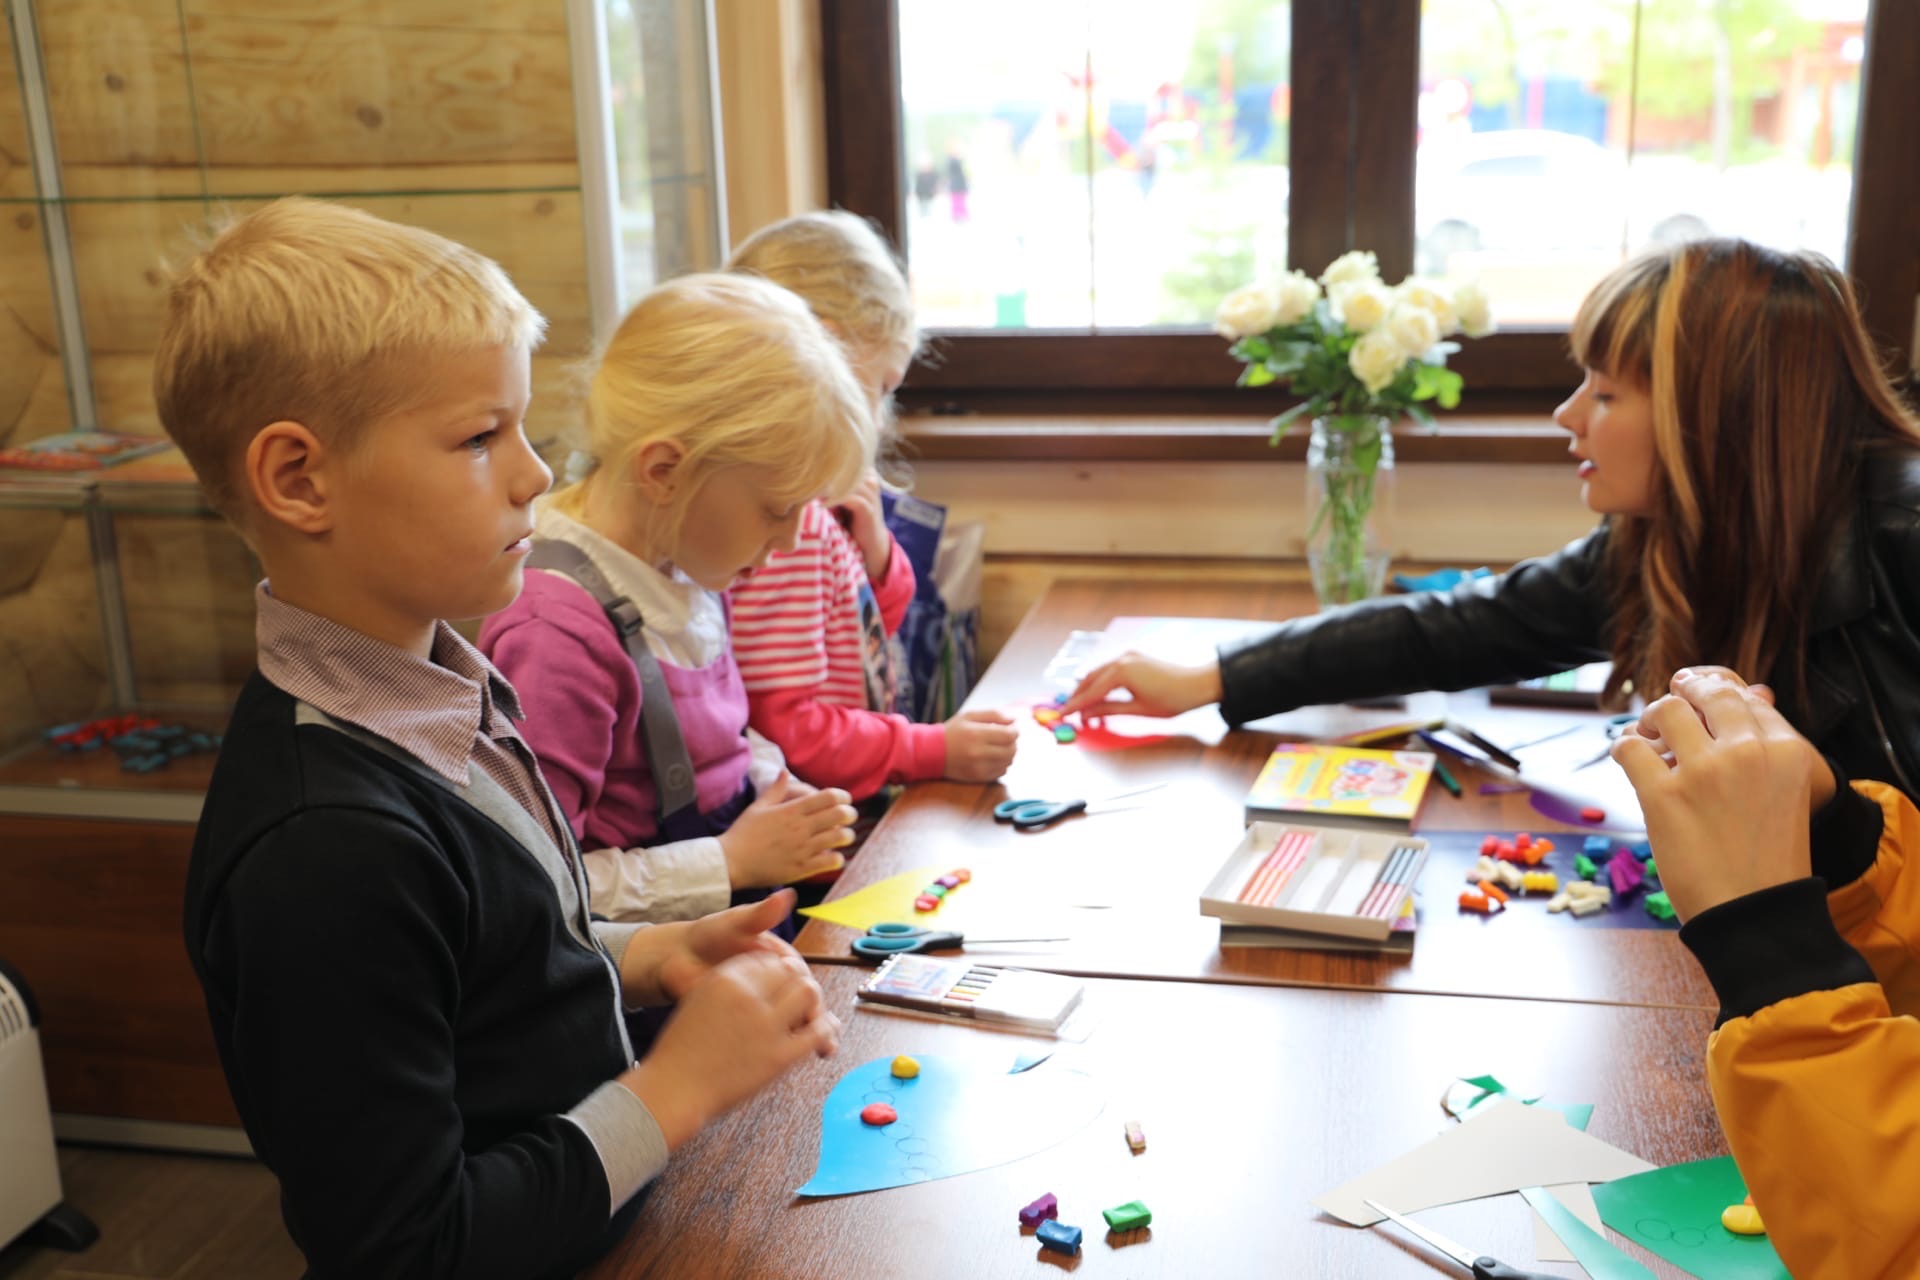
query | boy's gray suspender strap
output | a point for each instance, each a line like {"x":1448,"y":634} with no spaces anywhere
{"x":659,"y":727}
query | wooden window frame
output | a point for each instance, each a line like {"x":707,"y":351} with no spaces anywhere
{"x":1352,"y":186}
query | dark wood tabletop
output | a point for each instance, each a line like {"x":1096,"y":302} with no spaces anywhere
{"x":1254,"y":1101}
{"x":1144,"y":868}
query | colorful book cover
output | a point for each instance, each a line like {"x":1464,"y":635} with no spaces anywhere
{"x":81,"y":451}
{"x":1331,"y":783}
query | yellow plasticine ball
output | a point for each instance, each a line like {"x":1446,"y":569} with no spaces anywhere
{"x":905,"y":1068}
{"x":1742,"y":1220}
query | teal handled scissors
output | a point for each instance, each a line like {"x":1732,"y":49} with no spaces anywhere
{"x":1031,"y":815}
{"x":884,"y":940}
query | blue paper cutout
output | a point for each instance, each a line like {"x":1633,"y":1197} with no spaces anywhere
{"x":954,"y":1118}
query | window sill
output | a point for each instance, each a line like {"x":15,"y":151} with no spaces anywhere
{"x":1516,"y":438}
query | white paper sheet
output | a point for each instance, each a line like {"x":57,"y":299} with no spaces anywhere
{"x":1578,"y":1197}
{"x":1514,"y":1146}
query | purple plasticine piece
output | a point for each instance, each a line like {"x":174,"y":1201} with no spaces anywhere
{"x":1625,"y":873}
{"x":1047,"y":1206}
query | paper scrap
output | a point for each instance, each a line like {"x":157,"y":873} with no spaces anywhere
{"x":1508,"y":1147}
{"x":1577,"y":1197}
{"x":1601,"y":1258}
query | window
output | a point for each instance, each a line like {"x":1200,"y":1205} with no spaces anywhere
{"x":1126,"y":162}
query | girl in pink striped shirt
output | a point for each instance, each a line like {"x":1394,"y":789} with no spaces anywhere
{"x":810,"y":627}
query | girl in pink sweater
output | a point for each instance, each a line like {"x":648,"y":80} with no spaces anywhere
{"x":810,"y":628}
{"x":719,"y":411}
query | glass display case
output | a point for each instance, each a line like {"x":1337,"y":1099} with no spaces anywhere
{"x":573,"y":143}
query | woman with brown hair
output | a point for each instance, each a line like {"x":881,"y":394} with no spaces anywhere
{"x":1760,"y":483}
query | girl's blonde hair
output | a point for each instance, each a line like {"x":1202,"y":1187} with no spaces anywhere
{"x":738,"y":372}
{"x":841,"y":266}
{"x":1768,"y":399}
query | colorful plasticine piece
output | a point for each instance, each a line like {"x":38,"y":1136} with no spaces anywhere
{"x":1489,"y":846}
{"x":1596,"y":846}
{"x":1127,"y":1217}
{"x":925,"y":903}
{"x":1059,"y":1237}
{"x":1540,"y":882}
{"x":1047,"y":1206}
{"x":878,"y":1114}
{"x":961,"y":874}
{"x":1653,"y":870}
{"x":1593,"y":813}
{"x":1470,"y":901}
{"x":905,"y":1068}
{"x":1743,"y":1219}
{"x":1136,"y":1137}
{"x":1508,"y":877}
{"x":1659,"y":906}
{"x":1494,"y":891}
{"x":1583,"y":867}
{"x":1624,"y":873}
{"x":1063,"y":732}
{"x":1641,"y":849}
{"x":1559,"y":902}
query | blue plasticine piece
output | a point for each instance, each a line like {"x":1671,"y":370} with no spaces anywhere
{"x":1059,"y":1237}
{"x":1596,"y":846}
{"x":1641,"y":849}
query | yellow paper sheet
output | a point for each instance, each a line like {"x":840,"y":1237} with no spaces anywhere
{"x":890,"y":899}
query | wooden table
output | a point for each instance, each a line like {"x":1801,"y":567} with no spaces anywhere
{"x":1254,"y":1101}
{"x":1149,"y":864}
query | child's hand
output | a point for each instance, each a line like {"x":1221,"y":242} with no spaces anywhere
{"x":980,"y":745}
{"x":703,"y":944}
{"x":738,"y":1029}
{"x":869,"y":526}
{"x":1729,"y":816}
{"x":1159,"y":688}
{"x":782,"y":837}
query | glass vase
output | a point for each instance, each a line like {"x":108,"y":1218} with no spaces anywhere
{"x":1349,"y":506}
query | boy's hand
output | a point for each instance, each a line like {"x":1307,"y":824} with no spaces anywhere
{"x":704,"y":944}
{"x":1159,"y":688}
{"x":738,"y":1029}
{"x":782,"y":837}
{"x":980,"y":745}
{"x":1728,"y":816}
{"x":868,"y":526}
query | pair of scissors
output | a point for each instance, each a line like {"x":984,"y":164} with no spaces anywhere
{"x":1031,"y":815}
{"x":884,"y":940}
{"x":1483,"y":1267}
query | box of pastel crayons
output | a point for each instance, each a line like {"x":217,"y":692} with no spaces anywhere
{"x":1327,"y":880}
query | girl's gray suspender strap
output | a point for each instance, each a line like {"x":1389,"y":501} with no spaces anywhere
{"x":659,"y":727}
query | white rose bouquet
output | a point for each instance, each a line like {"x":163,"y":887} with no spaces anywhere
{"x":1360,"y":355}
{"x":1362,"y":347}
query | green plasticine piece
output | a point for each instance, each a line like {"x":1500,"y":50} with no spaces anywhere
{"x":1675,"y":1212}
{"x":1583,"y":867}
{"x":1125,"y":1217}
{"x":1660,"y":907}
{"x":1653,"y":869}
{"x":1602,"y":1259}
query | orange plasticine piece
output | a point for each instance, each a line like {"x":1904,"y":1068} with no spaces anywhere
{"x":1493,"y":891}
{"x":1471,"y":901}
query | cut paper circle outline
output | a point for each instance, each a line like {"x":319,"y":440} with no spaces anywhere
{"x":954,"y":1117}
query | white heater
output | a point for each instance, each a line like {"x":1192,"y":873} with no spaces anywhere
{"x":29,"y":1171}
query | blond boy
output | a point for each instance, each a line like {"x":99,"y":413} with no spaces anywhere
{"x":419,"y":1020}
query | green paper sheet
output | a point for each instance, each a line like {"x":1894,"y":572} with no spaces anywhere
{"x":1600,"y":1256}
{"x":1675,"y":1212}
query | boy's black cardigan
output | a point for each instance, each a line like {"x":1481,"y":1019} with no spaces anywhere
{"x":401,"y":1010}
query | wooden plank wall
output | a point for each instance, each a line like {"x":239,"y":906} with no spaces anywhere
{"x":455,"y":115}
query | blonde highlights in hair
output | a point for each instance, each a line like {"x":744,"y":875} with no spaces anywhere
{"x":737,"y":372}
{"x":316,"y":313}
{"x":842,"y":268}
{"x":1768,"y":398}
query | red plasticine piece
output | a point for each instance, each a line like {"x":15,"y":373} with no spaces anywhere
{"x":878,"y":1114}
{"x":1489,"y":846}
{"x":1593,"y":815}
